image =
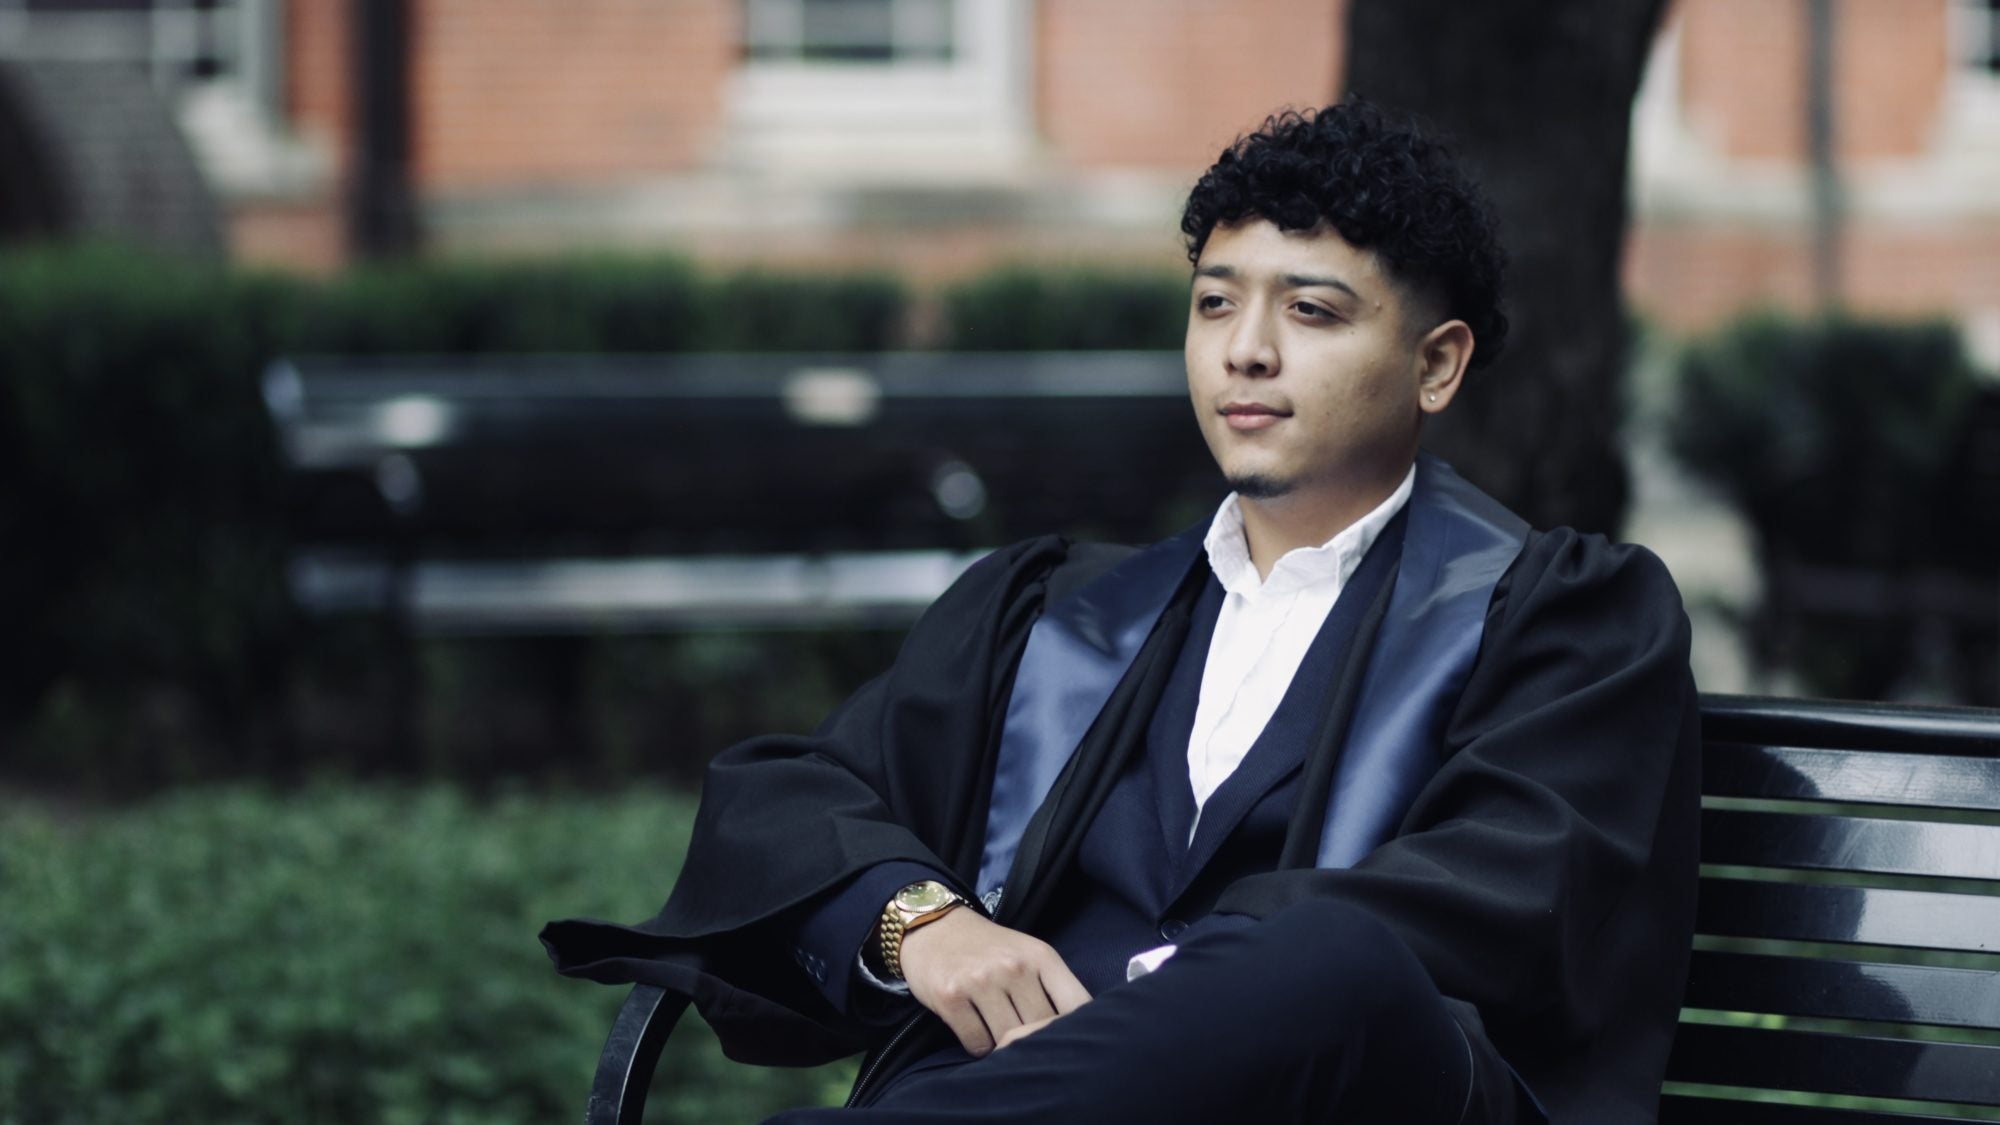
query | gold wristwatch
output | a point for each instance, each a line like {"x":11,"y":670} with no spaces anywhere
{"x":918,"y":904}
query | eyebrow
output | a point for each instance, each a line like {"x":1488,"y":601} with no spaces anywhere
{"x":1291,"y":280}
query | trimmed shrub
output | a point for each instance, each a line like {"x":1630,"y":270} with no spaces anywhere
{"x":1831,"y":435}
{"x":231,"y":955}
{"x":143,"y":569}
{"x":593,"y":305}
{"x":1024,"y":308}
{"x":1838,"y":440}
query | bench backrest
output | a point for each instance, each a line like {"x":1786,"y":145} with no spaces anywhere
{"x":498,"y":456}
{"x":1848,"y":942}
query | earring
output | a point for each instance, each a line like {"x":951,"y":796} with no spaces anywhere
{"x":1434,"y":396}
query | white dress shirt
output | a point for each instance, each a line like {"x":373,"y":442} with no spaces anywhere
{"x":1263,"y":632}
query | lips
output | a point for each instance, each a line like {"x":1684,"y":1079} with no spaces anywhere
{"x":1245,"y":417}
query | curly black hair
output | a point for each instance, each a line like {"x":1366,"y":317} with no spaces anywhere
{"x":1385,"y":186}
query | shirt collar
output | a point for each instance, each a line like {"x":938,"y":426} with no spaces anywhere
{"x":1333,"y":561}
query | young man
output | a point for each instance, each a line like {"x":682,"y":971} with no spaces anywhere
{"x":1362,"y":802}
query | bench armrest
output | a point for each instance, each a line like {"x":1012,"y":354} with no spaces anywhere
{"x":625,"y":1068}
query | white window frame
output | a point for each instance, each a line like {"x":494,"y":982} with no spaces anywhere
{"x":966,"y":116}
{"x":792,"y":15}
{"x":233,"y":121}
{"x":1971,"y":109}
{"x":162,"y":38}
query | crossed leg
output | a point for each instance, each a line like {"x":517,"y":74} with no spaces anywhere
{"x":1317,"y":1014}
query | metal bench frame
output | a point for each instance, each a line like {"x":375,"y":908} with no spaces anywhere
{"x":1891,"y":816}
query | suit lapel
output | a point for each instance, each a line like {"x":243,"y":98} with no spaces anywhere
{"x":1167,"y":736}
{"x":1460,"y":541}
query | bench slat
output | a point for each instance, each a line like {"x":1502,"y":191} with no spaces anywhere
{"x":1735,"y":769}
{"x":1799,"y":912}
{"x":1681,"y":1109}
{"x":1845,"y":843}
{"x":1866,"y":1066}
{"x":1853,"y":990}
{"x":1900,"y":727}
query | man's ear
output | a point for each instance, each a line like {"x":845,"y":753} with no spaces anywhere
{"x":1442,"y":357}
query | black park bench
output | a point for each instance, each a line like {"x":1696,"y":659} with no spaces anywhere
{"x":574,"y":495}
{"x":1848,"y":935}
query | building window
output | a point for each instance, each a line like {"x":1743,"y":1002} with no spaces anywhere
{"x":180,"y":42}
{"x":1972,"y":97}
{"x":1978,"y":36}
{"x":889,"y":89}
{"x":849,"y":31}
{"x":216,"y":62}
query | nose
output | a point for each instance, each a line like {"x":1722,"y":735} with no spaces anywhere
{"x":1253,"y":346}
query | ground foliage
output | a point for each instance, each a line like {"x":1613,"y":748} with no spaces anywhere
{"x":335,"y":955}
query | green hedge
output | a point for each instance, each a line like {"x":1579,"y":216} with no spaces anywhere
{"x":339,"y":955}
{"x":1028,"y":308}
{"x":1832,"y":435}
{"x":1847,"y":446}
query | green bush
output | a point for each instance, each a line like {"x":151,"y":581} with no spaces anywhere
{"x":140,"y":502}
{"x":1835,"y":438}
{"x":231,"y":955}
{"x":1025,"y":308}
{"x":592,"y":305}
{"x":1832,"y":435}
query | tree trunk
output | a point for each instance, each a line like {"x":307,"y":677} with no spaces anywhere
{"x":1537,"y":99}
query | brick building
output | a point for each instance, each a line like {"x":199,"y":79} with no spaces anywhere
{"x":938,"y":136}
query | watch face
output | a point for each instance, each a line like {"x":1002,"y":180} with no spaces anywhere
{"x":927,"y":895}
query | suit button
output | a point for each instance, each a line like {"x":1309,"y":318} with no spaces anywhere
{"x":1172,"y":929}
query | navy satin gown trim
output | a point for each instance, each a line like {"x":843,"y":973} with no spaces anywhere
{"x":1459,"y":543}
{"x":1076,"y":653}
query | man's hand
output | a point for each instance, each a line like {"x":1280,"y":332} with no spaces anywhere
{"x":985,"y":980}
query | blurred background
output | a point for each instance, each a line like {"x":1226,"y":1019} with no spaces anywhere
{"x":431,"y":429}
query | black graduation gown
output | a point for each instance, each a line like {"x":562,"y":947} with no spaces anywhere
{"x":1544,"y":875}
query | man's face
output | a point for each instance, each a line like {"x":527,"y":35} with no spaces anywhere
{"x":1303,"y":363}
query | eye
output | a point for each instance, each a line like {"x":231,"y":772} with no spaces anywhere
{"x":1310,"y":311}
{"x":1210,"y":302}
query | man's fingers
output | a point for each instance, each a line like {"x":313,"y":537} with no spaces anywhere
{"x":997,"y":1009}
{"x":1065,"y":991}
{"x":1031,"y":1000}
{"x":1023,"y":1031}
{"x":965,"y":1022}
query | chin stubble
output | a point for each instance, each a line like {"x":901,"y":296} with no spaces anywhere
{"x":1257,"y":486}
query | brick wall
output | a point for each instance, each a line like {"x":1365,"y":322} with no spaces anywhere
{"x":1691,"y":277}
{"x":537,"y":93}
{"x":318,"y":74}
{"x":1743,"y":74}
{"x":1168,"y":83}
{"x":549,"y":96}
